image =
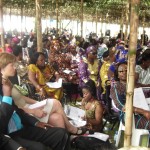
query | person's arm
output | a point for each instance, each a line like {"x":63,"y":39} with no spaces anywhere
{"x":32,"y":78}
{"x":83,"y":73}
{"x":6,"y":111}
{"x":9,"y":144}
{"x":143,"y":112}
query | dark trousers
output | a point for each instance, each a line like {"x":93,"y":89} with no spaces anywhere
{"x":10,"y":145}
{"x":34,"y":138}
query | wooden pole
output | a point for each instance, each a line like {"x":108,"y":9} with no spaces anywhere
{"x":21,"y":20}
{"x":77,"y":27}
{"x":134,"y":22}
{"x":101,"y":30}
{"x":38,"y":24}
{"x":1,"y":26}
{"x":121,"y":25}
{"x":143,"y":28}
{"x":57,"y":19}
{"x":10,"y":18}
{"x":127,"y":21}
{"x":96,"y":19}
{"x":81,"y":18}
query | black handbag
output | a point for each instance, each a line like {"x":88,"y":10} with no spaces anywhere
{"x":91,"y":143}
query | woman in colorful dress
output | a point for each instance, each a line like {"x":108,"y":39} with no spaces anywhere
{"x":118,"y":94}
{"x":89,"y":68}
{"x":93,"y":107}
{"x":40,"y":73}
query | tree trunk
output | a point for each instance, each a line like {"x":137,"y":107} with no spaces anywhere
{"x":121,"y":24}
{"x":143,"y":28}
{"x":38,"y":24}
{"x":57,"y":19}
{"x":21,"y":20}
{"x":96,"y":19}
{"x":131,"y":70}
{"x":101,"y":30}
{"x":77,"y":27}
{"x":1,"y":26}
{"x":81,"y":18}
{"x":127,"y":20}
{"x":10,"y":19}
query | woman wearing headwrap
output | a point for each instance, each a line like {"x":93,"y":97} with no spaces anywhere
{"x":91,"y":67}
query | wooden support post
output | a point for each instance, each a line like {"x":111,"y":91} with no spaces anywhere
{"x":39,"y":27}
{"x":81,"y":18}
{"x":1,"y":26}
{"x":134,"y":22}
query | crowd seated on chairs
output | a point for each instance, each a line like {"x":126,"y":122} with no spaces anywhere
{"x":83,"y":73}
{"x":52,"y":109}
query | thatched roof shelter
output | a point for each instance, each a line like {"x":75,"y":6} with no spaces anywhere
{"x":109,"y":10}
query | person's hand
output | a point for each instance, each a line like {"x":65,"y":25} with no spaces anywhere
{"x":22,"y":148}
{"x":97,"y":84}
{"x":123,"y":109}
{"x":6,"y":87}
{"x":39,"y":113}
{"x":42,"y":93}
{"x":43,"y":125}
{"x":146,"y":114}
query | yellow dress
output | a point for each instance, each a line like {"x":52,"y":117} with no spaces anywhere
{"x":93,"y":69}
{"x":42,"y":79}
{"x":104,"y":74}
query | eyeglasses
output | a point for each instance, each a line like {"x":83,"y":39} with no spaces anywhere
{"x":121,"y":71}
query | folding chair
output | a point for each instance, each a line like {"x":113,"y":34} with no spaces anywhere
{"x":140,"y":137}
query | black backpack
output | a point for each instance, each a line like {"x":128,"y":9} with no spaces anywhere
{"x":90,"y":143}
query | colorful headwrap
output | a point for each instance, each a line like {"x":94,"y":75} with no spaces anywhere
{"x":15,"y":40}
{"x":89,"y":49}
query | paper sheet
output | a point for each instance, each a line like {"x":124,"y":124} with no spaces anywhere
{"x":55,"y":85}
{"x":139,"y":99}
{"x":74,"y":112}
{"x":67,"y":71}
{"x":101,"y":136}
{"x":38,"y":104}
{"x":47,"y":105}
{"x":77,"y":123}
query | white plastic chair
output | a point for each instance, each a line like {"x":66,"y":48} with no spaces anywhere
{"x":140,"y":137}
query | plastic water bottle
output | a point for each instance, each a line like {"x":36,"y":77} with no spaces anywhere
{"x":115,"y":136}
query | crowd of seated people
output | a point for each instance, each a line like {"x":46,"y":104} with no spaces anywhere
{"x":20,"y":130}
{"x":88,"y":72}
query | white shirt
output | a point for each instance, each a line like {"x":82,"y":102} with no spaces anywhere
{"x":144,"y":75}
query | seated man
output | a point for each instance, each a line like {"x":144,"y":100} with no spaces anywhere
{"x":26,"y":130}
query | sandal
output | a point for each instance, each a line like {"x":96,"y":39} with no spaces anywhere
{"x":81,"y":131}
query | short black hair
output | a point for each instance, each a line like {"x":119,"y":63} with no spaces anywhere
{"x":35,"y":57}
{"x":17,"y":50}
{"x":105,"y":54}
{"x":145,"y":56}
{"x":90,"y":85}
